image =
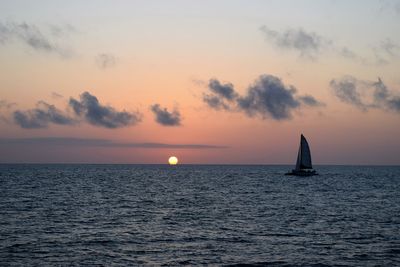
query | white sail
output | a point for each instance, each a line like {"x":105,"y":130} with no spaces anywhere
{"x":304,"y":155}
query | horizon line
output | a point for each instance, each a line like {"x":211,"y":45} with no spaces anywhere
{"x":188,"y":164}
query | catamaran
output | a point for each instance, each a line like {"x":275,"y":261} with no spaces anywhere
{"x":303,"y":163}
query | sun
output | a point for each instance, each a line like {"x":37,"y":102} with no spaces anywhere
{"x":173,"y":160}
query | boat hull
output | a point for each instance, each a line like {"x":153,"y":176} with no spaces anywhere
{"x":302,"y":173}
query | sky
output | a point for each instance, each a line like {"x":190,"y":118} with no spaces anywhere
{"x":210,"y":82}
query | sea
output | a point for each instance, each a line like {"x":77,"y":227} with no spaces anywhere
{"x":206,"y":215}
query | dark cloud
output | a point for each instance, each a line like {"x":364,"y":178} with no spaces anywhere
{"x":30,"y":35}
{"x":310,"y":101}
{"x":394,"y":103}
{"x":224,"y":90}
{"x":385,"y":98}
{"x":166,"y":118}
{"x":88,"y":142}
{"x":346,"y":90}
{"x":105,"y":61}
{"x":41,"y":117}
{"x":381,"y":92}
{"x":221,"y":95}
{"x":365,"y":94}
{"x":215,"y":102}
{"x":89,"y":108}
{"x":308,"y":44}
{"x":267,"y":97}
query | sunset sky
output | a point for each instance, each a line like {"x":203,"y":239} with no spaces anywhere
{"x":213,"y":82}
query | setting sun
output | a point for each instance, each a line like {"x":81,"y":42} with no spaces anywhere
{"x":173,"y":160}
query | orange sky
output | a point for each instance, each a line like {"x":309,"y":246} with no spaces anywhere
{"x":166,"y":54}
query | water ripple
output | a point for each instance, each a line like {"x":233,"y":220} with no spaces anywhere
{"x":146,"y":215}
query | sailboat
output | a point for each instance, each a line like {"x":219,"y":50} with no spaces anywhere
{"x":303,"y":163}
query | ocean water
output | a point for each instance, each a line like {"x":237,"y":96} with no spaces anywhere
{"x":151,"y":215}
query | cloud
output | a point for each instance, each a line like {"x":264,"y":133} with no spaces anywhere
{"x":386,"y":51}
{"x":391,"y":48}
{"x":221,"y":93}
{"x":215,"y":102}
{"x":308,"y":44}
{"x":32,"y":36}
{"x":89,"y":142}
{"x":166,"y":118}
{"x":60,"y":31}
{"x":365,"y":94}
{"x":381,"y":54}
{"x":105,"y":61}
{"x":56,"y":95}
{"x":349,"y":54}
{"x":346,"y":52}
{"x":6,"y":105}
{"x":224,"y":90}
{"x":267,"y":97}
{"x":41,"y":117}
{"x":346,"y":90}
{"x":89,"y":108}
{"x":390,"y":5}
{"x":310,"y":101}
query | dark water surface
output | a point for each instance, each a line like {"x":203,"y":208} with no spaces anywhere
{"x":198,"y":215}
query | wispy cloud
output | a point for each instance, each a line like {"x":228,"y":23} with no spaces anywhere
{"x":347,"y":53}
{"x":89,"y":142}
{"x":310,"y":45}
{"x":56,"y":95}
{"x":365,"y":95}
{"x":386,"y":51}
{"x":165,"y":117}
{"x":309,"y":100}
{"x":32,"y":36}
{"x":267,"y":97}
{"x":60,"y":31}
{"x":90,"y":109}
{"x":6,"y":105}
{"x":41,"y":117}
{"x":307,"y":44}
{"x":390,"y":47}
{"x":106,"y":60}
{"x":390,"y":5}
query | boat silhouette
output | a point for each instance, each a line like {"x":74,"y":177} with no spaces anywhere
{"x":303,"y":163}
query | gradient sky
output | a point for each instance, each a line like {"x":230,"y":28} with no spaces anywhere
{"x":231,"y":82}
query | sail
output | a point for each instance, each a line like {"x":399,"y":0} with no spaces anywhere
{"x":304,"y":155}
